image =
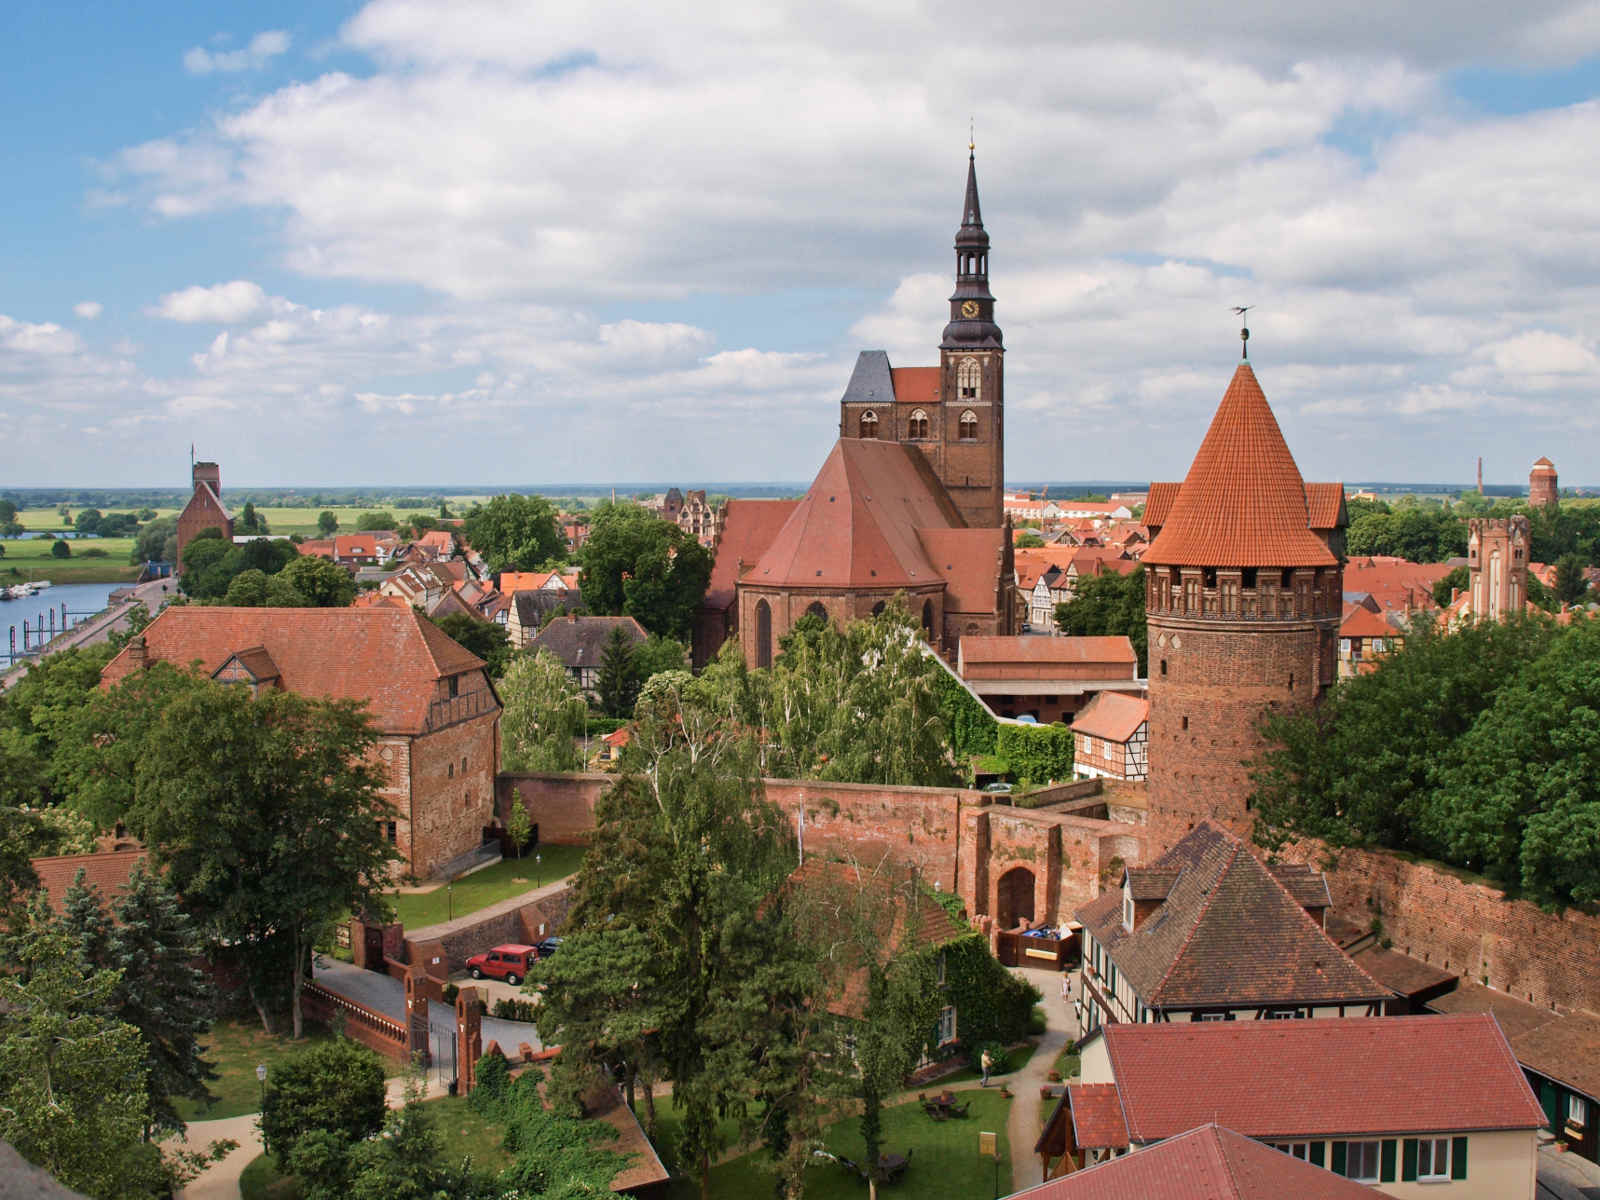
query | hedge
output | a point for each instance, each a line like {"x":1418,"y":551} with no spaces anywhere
{"x":1038,"y":753}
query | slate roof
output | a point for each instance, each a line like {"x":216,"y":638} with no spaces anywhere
{"x":857,"y":525}
{"x":1298,"y":1079}
{"x":870,"y":381}
{"x":1207,"y":1163}
{"x":107,"y":870}
{"x":1115,"y":716}
{"x":1228,"y":933}
{"x":535,"y":606}
{"x":581,"y":641}
{"x":748,"y":527}
{"x":1243,"y":502}
{"x":388,"y":657}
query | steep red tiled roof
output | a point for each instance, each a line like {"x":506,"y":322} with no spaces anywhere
{"x":857,"y":525}
{"x":1208,"y":1163}
{"x":1543,"y":463}
{"x":916,"y":385}
{"x":1159,"y":505}
{"x":438,"y":539}
{"x":1034,"y":561}
{"x":1114,"y":716}
{"x":388,"y":657}
{"x":109,"y":871}
{"x":969,"y":561}
{"x":1243,"y":502}
{"x":1394,"y":583}
{"x":1097,"y":1122}
{"x":748,"y":527}
{"x":1325,"y":505}
{"x":983,"y":650}
{"x":1363,"y":622}
{"x":1228,"y":933}
{"x":355,"y":545}
{"x":1295,"y":1079}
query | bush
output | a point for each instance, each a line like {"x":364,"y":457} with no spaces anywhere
{"x":451,"y":991}
{"x":1037,"y":1022}
{"x":493,"y":1077}
{"x":333,"y":1087}
{"x":93,"y":552}
{"x":999,"y":1058}
{"x":514,"y":1010}
{"x":1038,"y":753}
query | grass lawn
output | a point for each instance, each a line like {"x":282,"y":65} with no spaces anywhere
{"x":234,"y":1048}
{"x":1066,"y":1064}
{"x":507,"y":878}
{"x":1016,"y":1058}
{"x":944,"y":1158}
{"x":29,"y":558}
{"x":461,"y":1130}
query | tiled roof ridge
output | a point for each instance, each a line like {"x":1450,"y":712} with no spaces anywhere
{"x":1224,"y":1159}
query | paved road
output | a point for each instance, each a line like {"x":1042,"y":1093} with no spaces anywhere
{"x":101,"y":626}
{"x":1022,"y":1128}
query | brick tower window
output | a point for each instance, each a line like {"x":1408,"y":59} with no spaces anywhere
{"x":917,"y":429}
{"x":968,"y":379}
{"x":869,"y":424}
{"x":969,"y":426}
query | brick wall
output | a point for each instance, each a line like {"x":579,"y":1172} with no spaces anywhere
{"x":1550,"y":959}
{"x":515,"y":920}
{"x":561,"y":805}
{"x":372,"y":1029}
{"x":452,"y":804}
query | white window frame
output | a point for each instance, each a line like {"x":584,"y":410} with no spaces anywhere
{"x":1577,"y":1111}
{"x":1350,"y":1149}
{"x":1300,"y":1150}
{"x":947,"y":1024}
{"x":1437,"y":1152}
{"x":1127,"y":911}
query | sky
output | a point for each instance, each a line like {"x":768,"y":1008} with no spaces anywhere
{"x":494,"y":243}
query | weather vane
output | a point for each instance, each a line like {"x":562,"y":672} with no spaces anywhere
{"x":1244,"y":332}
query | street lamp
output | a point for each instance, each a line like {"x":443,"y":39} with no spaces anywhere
{"x":538,"y":869}
{"x":450,"y":900}
{"x":261,"y":1083}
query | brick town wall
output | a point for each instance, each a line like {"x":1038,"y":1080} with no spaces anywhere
{"x":1548,"y":959}
{"x":515,"y":920}
{"x":561,"y":805}
{"x":452,"y":805}
{"x":1210,"y":683}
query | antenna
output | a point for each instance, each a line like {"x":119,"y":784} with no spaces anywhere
{"x":1244,"y":332}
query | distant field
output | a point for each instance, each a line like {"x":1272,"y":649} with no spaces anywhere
{"x":30,"y":559}
{"x":279,"y":520}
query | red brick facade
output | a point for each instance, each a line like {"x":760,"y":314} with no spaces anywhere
{"x":205,"y":509}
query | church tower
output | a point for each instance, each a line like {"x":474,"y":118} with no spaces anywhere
{"x":971,"y":462}
{"x":1243,"y":591}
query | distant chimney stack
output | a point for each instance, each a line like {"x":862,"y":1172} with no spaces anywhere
{"x":208,"y":472}
{"x":139,"y":653}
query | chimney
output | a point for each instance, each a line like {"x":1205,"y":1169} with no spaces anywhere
{"x":139,"y":653}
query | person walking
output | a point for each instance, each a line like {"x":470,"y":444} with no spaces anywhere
{"x":985,"y":1062}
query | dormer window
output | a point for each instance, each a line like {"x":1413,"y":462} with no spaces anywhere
{"x":1127,"y":907}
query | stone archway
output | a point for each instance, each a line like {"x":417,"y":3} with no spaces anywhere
{"x":763,"y":634}
{"x":1013,"y":898}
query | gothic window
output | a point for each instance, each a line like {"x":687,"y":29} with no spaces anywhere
{"x":816,"y":609}
{"x":763,"y":634}
{"x":969,"y":426}
{"x":869,"y":424}
{"x":917,"y":429}
{"x":968,"y":378}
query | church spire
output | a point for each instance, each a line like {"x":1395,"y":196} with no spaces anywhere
{"x":971,"y":306}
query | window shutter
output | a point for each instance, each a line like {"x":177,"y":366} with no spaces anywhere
{"x":1386,"y":1158}
{"x":1458,"y":1158}
{"x":1338,"y":1158}
{"x":1408,"y":1165}
{"x":1319,"y":1152}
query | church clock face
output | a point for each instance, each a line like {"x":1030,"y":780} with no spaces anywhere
{"x":969,"y":309}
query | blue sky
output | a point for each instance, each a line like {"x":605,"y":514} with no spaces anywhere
{"x":500,"y":242}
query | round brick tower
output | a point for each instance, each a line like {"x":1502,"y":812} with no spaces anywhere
{"x":1243,"y":591}
{"x":1542,"y":488}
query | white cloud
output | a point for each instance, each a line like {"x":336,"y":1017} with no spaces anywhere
{"x":88,"y":310}
{"x":225,"y":303}
{"x":264,"y":47}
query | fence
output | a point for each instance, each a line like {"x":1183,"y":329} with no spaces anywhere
{"x":362,"y":1024}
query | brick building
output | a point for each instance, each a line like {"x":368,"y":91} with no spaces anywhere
{"x":1046,"y":678}
{"x":1243,"y":590}
{"x":205,"y":509}
{"x":1542,"y":486}
{"x":431,"y":701}
{"x":909,"y":501}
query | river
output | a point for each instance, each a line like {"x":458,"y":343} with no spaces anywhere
{"x":82,"y":600}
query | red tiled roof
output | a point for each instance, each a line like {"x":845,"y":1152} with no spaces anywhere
{"x":389,"y":657}
{"x":1543,"y":464}
{"x":1097,"y":1122}
{"x":1033,"y":562}
{"x":1114,"y":716}
{"x":1159,"y":505}
{"x":1566,"y":1050}
{"x":320,"y":547}
{"x":857,"y":525}
{"x":916,"y":385}
{"x":1243,"y":502}
{"x":969,"y":560}
{"x":1047,"y":650}
{"x":355,"y":545}
{"x":748,"y":527}
{"x":1393,"y":582}
{"x":438,"y":539}
{"x":109,"y":871}
{"x":1341,"y":1076}
{"x":1360,"y":621}
{"x":1208,"y":1163}
{"x":1325,"y":505}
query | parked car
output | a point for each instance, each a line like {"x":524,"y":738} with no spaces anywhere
{"x":997,"y":788}
{"x":508,"y":962}
{"x":549,"y":946}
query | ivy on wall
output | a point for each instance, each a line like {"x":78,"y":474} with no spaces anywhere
{"x":1037,"y":753}
{"x":992,"y":1004}
{"x":968,"y":724}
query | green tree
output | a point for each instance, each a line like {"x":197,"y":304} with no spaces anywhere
{"x":514,"y":533}
{"x":8,"y":512}
{"x":1572,"y":585}
{"x":1108,"y":606}
{"x":335,"y":1088}
{"x":369,"y":522}
{"x":156,"y":542}
{"x":656,"y":654}
{"x":1029,"y":540}
{"x":542,"y":717}
{"x":60,"y":549}
{"x":263,"y":811}
{"x":72,"y":1075}
{"x":88,"y":522}
{"x":318,"y":582}
{"x":1453,"y":581}
{"x":153,"y":945}
{"x":35,"y":715}
{"x":636,"y":564}
{"x":619,"y":681}
{"x":487,"y":639}
{"x":327,"y":523}
{"x":250,"y":521}
{"x":257,"y":589}
{"x":519,"y":825}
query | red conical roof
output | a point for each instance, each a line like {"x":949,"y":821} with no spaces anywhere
{"x":1243,"y":503}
